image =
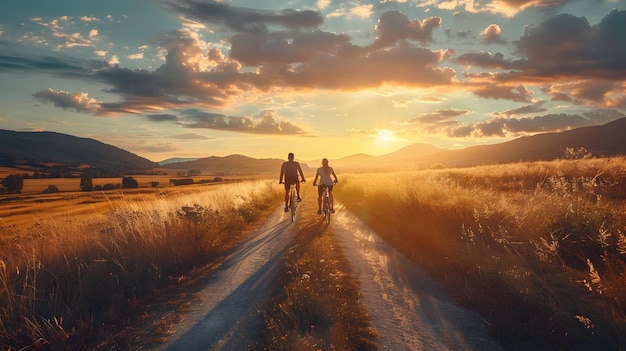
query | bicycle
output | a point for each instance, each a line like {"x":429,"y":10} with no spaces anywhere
{"x":326,"y":209}
{"x":293,"y":200}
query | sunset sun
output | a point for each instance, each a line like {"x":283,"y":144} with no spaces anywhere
{"x":384,"y":136}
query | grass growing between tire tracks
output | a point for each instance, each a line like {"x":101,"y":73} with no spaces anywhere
{"x":315,"y":303}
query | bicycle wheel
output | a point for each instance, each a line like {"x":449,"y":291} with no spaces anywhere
{"x":327,"y":209}
{"x":292,"y":204}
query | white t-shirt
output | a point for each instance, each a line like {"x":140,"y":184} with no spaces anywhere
{"x":325,"y":178}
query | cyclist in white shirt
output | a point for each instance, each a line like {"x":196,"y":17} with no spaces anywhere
{"x":324,"y":174}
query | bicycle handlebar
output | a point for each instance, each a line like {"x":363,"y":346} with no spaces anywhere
{"x":334,"y":182}
{"x":281,"y":182}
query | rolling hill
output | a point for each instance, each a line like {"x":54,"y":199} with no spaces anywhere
{"x":51,"y":147}
{"x":603,"y":140}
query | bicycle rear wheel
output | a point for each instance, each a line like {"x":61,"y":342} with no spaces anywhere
{"x":292,"y":204}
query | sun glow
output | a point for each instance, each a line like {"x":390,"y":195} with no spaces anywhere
{"x":384,"y":136}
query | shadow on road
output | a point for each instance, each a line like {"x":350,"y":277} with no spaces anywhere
{"x":228,"y":302}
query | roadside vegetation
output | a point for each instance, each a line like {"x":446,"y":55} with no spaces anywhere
{"x":538,"y":249}
{"x":71,"y":281}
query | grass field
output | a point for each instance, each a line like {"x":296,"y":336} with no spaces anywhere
{"x":539,"y":249}
{"x":74,"y":266}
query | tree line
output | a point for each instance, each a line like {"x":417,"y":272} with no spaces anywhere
{"x":14,"y":184}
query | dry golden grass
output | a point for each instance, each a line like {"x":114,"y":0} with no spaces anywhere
{"x":537,"y":248}
{"x":71,"y":278}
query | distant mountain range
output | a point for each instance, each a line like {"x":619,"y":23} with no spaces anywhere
{"x":235,"y":165}
{"x":175,"y":160}
{"x":604,"y":140}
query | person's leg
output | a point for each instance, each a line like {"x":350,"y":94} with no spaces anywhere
{"x":298,"y":190}
{"x":286,"y":197}
{"x":320,"y":192}
{"x":332,"y":204}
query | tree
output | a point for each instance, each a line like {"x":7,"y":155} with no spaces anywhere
{"x":86,"y":181}
{"x":13,"y":183}
{"x":129,"y":183}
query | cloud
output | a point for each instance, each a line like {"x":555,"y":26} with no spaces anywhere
{"x":562,"y":47}
{"x":277,"y":48}
{"x":190,"y":136}
{"x":563,"y":55}
{"x":518,"y":93}
{"x":592,"y":92}
{"x":535,"y":107}
{"x":63,"y":32}
{"x":264,"y":123}
{"x":514,"y":127}
{"x":359,"y":11}
{"x":81,"y":102}
{"x":394,"y":26}
{"x":243,"y":19}
{"x":507,"y":8}
{"x":492,"y":35}
{"x":162,"y":118}
{"x":438,"y":116}
{"x":198,"y":75}
{"x":322,"y":4}
{"x":485,"y":59}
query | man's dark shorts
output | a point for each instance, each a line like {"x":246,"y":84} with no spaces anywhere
{"x":320,"y":189}
{"x":288,"y":183}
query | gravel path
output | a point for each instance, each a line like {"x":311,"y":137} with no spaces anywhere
{"x":408,"y":310}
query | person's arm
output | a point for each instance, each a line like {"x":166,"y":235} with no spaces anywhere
{"x":334,"y":175}
{"x":301,"y":174}
{"x":282,"y":172}
{"x":315,"y":180}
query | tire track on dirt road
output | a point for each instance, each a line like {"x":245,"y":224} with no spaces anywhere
{"x":226,"y":313}
{"x":407,"y":308}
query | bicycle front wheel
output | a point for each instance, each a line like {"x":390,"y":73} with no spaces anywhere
{"x":326,"y":210}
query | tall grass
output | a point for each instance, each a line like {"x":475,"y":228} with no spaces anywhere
{"x":537,"y":248}
{"x":68,"y":284}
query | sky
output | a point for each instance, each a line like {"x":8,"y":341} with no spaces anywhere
{"x":319,"y":78}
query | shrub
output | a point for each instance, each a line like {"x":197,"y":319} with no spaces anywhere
{"x":51,"y":189}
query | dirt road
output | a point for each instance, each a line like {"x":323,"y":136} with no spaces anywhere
{"x":407,"y":309}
